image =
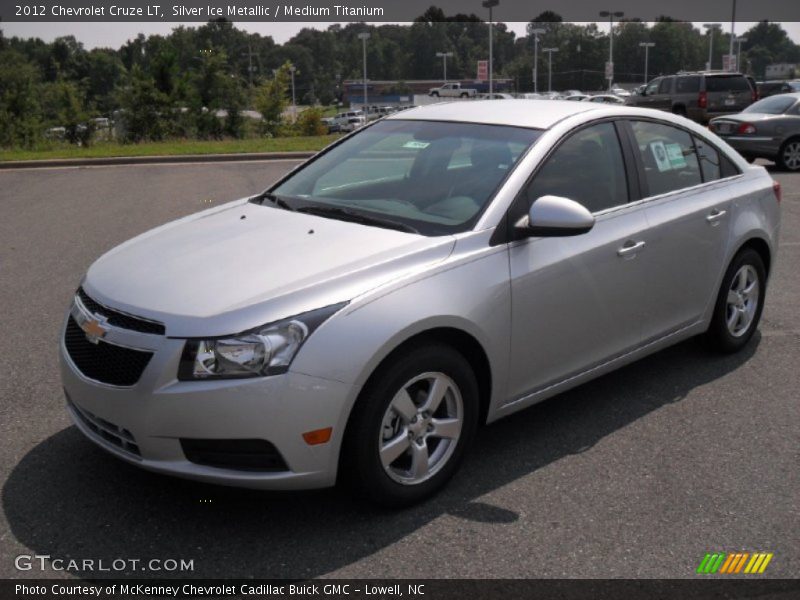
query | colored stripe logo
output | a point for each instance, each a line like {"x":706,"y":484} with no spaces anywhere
{"x":734,"y":563}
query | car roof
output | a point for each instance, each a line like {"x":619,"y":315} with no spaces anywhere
{"x":520,"y":113}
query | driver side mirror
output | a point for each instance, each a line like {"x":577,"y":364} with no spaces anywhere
{"x":554,"y":216}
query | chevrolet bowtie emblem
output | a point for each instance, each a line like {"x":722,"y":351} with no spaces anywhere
{"x":94,"y":330}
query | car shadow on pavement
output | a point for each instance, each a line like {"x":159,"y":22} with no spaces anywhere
{"x":69,"y":499}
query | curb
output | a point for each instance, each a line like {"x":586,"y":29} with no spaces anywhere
{"x":151,"y":160}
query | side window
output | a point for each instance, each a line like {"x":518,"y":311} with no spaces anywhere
{"x":668,"y":155}
{"x":587,"y":168}
{"x":652,"y":87}
{"x":688,"y":84}
{"x":709,"y":160}
{"x":666,"y":85}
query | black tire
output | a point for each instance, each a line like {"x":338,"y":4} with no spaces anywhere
{"x":719,"y":334}
{"x":679,"y":110}
{"x":781,"y":158}
{"x":434,"y":94}
{"x":465,"y":95}
{"x":360,"y":465}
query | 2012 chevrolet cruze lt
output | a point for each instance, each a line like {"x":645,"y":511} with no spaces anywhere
{"x":439,"y":269}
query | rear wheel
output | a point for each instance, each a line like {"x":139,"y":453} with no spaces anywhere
{"x":434,"y":94}
{"x":465,"y":95}
{"x":679,"y":110}
{"x":411,"y":426}
{"x":789,"y":155}
{"x":740,"y":302}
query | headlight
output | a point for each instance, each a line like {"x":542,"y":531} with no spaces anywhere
{"x":267,"y":350}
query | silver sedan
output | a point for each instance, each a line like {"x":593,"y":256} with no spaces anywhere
{"x":434,"y":271}
{"x":769,"y":129}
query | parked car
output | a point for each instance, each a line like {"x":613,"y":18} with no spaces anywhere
{"x":618,"y":91}
{"x":699,"y":96}
{"x":771,"y":88}
{"x":453,"y":90}
{"x":440,"y":268}
{"x":495,"y":96}
{"x":575,"y":97}
{"x":346,"y":121}
{"x":604,"y":99}
{"x":769,"y":129}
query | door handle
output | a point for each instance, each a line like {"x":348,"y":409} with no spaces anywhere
{"x":630,"y":247}
{"x":715,"y":215}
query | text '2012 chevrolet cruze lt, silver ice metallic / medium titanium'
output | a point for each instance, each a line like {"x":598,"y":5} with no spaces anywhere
{"x":438,"y":269}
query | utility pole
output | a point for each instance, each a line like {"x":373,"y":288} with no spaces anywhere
{"x":364,"y":37}
{"x":490,"y":4}
{"x":444,"y":56}
{"x":549,"y":67}
{"x":646,"y":46}
{"x":710,"y":27}
{"x":611,"y":14}
{"x":730,"y":49}
{"x":536,"y":32}
{"x":739,"y":42}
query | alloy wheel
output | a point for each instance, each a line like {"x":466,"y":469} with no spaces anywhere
{"x":421,"y":428}
{"x":742,"y":301}
{"x":791,"y":156}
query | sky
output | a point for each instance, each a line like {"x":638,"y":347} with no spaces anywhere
{"x":114,"y":35}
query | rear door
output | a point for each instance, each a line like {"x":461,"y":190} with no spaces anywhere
{"x":663,"y":98}
{"x":689,"y":218}
{"x":728,"y":93}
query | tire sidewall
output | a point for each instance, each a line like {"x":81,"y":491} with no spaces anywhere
{"x":719,"y":332}
{"x":361,"y":464}
{"x":780,"y":161}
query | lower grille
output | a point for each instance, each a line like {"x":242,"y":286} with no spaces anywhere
{"x":115,"y":435}
{"x":240,"y":455}
{"x":102,"y":361}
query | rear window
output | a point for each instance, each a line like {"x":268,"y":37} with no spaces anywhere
{"x":774,"y":105}
{"x":735,"y":83}
{"x":688,"y":84}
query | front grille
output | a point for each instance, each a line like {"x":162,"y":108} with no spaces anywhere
{"x":102,"y":361}
{"x":115,"y":435}
{"x":240,"y":455}
{"x":119,"y":319}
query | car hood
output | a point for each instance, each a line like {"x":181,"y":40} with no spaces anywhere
{"x":241,"y":265}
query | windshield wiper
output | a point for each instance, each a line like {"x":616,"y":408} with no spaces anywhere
{"x":342,"y":214}
{"x":276,"y":200}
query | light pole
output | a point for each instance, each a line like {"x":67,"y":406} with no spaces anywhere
{"x":646,"y":46}
{"x":444,"y":56}
{"x":549,"y":67}
{"x":710,"y":27}
{"x":292,"y":70}
{"x":536,"y":32}
{"x":490,"y":4}
{"x":611,"y":14}
{"x":364,"y":37}
{"x":730,"y":48}
{"x":739,"y":42}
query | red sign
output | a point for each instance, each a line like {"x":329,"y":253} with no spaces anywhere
{"x":483,"y":70}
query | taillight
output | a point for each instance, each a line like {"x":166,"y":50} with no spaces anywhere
{"x":776,"y":189}
{"x":702,"y":100}
{"x":746,"y":128}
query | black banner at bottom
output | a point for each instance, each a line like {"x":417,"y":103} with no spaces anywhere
{"x":421,"y":589}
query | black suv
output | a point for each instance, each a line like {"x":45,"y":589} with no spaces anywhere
{"x":700,"y":96}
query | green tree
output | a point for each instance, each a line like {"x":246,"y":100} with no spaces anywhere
{"x":20,"y":112}
{"x":271,"y":99}
{"x":144,"y":108}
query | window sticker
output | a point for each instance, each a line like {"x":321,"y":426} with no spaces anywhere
{"x":415,"y":145}
{"x":660,"y":156}
{"x":675,"y":154}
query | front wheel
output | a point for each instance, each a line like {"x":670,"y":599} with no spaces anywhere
{"x":740,"y":302}
{"x":465,"y":95}
{"x":789,"y":155}
{"x":411,"y":426}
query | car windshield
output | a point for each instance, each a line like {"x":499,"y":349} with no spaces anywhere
{"x":431,"y":177}
{"x":774,"y":105}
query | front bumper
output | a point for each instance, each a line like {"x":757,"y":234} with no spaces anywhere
{"x":143,"y":424}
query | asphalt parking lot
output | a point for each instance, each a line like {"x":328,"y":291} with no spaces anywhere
{"x":637,"y":474}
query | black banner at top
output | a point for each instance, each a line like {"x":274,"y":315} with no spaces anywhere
{"x":393,"y":10}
